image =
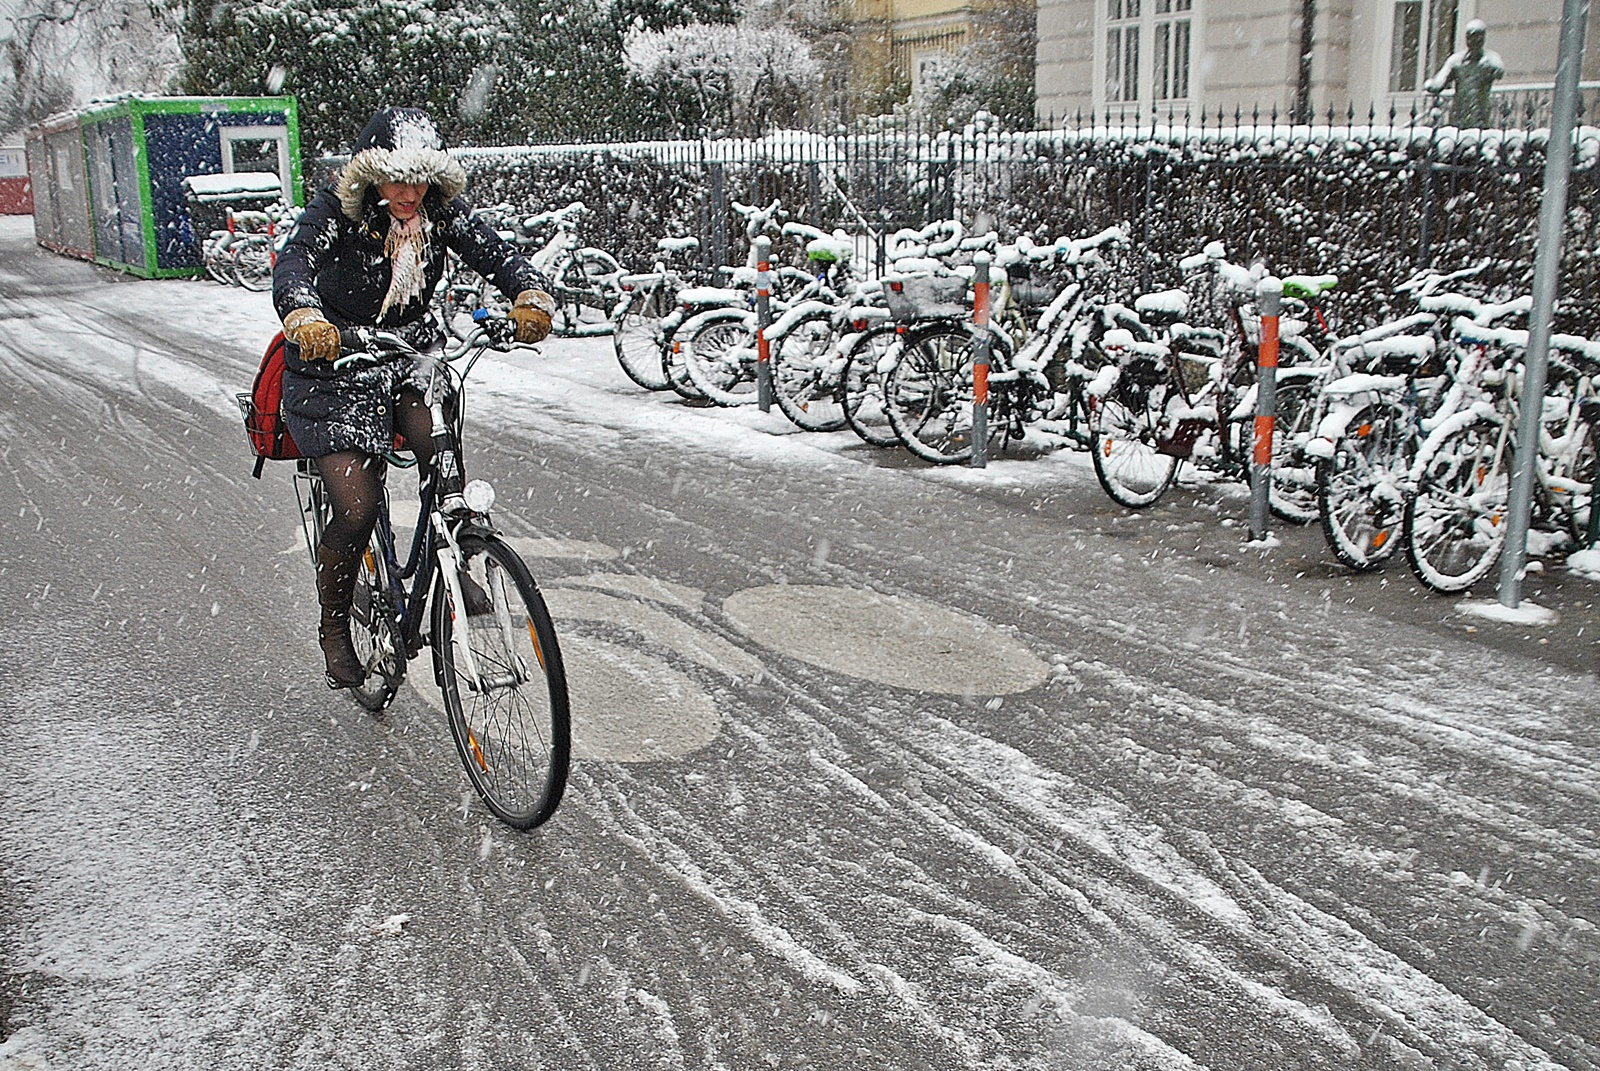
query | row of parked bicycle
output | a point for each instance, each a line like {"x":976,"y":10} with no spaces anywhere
{"x":1401,"y":435}
{"x":244,"y":249}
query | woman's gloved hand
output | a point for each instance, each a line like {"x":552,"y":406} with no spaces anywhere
{"x":310,"y":330}
{"x":532,"y":312}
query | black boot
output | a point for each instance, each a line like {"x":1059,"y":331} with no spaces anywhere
{"x":336,"y":581}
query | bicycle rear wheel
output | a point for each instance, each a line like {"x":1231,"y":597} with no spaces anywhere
{"x":805,"y":377}
{"x":375,"y":631}
{"x":1455,"y":524}
{"x":508,"y":706}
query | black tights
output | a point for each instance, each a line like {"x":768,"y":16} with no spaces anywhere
{"x":354,"y":483}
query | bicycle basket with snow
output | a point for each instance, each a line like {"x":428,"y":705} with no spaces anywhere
{"x":925,"y":297}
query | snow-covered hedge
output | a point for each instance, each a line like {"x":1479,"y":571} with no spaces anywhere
{"x":1368,"y":202}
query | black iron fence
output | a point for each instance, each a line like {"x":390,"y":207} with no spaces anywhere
{"x":1368,"y":198}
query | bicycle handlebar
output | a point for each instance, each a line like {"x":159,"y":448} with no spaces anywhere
{"x":558,"y":217}
{"x":1428,"y":280}
{"x":372,"y":345}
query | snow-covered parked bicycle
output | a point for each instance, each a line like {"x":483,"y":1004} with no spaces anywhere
{"x":1389,"y":387}
{"x":1455,"y":519}
{"x":1185,"y":391}
{"x":584,"y":280}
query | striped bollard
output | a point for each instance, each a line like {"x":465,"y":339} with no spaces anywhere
{"x":763,"y":321}
{"x":1269,"y":297}
{"x":980,"y":361}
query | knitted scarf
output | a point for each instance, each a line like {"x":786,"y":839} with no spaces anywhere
{"x":406,"y":247}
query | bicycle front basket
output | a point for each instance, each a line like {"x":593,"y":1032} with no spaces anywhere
{"x":926,"y":297}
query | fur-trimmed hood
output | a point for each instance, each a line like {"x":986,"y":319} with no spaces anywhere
{"x":398,"y":145}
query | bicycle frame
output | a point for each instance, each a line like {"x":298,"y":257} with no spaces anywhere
{"x":430,"y":559}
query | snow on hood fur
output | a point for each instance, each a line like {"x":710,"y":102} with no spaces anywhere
{"x":398,"y":145}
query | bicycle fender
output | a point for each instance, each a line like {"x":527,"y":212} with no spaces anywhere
{"x":1475,"y":412}
{"x":795,"y":314}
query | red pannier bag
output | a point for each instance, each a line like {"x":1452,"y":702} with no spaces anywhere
{"x":263,"y":423}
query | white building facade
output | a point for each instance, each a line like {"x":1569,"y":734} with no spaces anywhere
{"x":1144,"y":57}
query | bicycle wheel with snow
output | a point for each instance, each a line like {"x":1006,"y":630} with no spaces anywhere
{"x":1361,"y":488}
{"x":586,"y":290}
{"x":636,"y":336}
{"x":1293,"y":496}
{"x":252,"y":263}
{"x":719,"y":354}
{"x":805,"y":374}
{"x":1125,"y":444}
{"x":1455,"y":523}
{"x":928,"y":394}
{"x":866,"y":358}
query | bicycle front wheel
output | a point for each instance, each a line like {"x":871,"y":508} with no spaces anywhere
{"x":805,"y":376}
{"x":1455,"y":524}
{"x":1125,"y":444}
{"x":720,"y":358}
{"x":586,"y":290}
{"x":861,"y":386}
{"x":252,"y":264}
{"x":928,"y":394}
{"x":1361,"y":488}
{"x":636,"y":336}
{"x":504,"y":685}
{"x":1293,"y":495}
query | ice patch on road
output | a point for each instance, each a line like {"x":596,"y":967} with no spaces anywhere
{"x":24,"y":1051}
{"x":891,"y":639}
{"x":629,"y":706}
{"x":705,"y":649}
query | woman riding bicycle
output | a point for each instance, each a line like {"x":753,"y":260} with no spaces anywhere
{"x":367,"y":252}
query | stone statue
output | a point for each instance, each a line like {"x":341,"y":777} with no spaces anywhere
{"x":1473,"y":70}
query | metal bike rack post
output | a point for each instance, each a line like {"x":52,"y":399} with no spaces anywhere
{"x":980,"y":361}
{"x":763,"y":321}
{"x":1546,"y":277}
{"x":1269,"y":297}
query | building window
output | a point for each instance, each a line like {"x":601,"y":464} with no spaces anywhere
{"x":1122,"y":50}
{"x":1171,"y":81}
{"x":258,"y":148}
{"x":1424,"y":37}
{"x":1167,"y":25}
{"x":910,"y":53}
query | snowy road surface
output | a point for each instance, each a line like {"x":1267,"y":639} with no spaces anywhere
{"x":878,"y":767}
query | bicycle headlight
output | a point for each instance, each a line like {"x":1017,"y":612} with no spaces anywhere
{"x":479,"y":496}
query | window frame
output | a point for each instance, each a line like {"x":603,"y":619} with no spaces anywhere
{"x":266,"y":132}
{"x":1159,"y":40}
{"x":1433,"y":45}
